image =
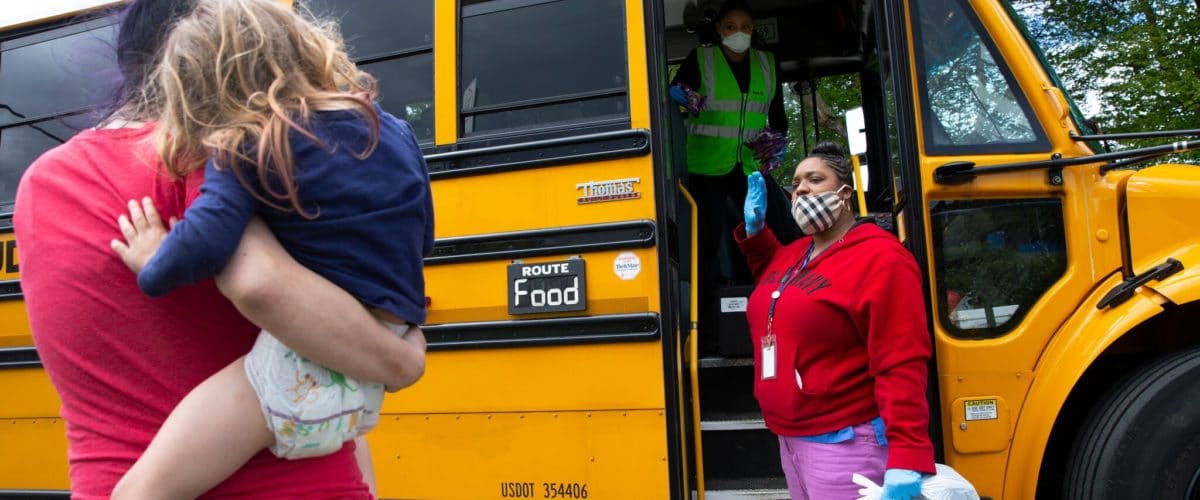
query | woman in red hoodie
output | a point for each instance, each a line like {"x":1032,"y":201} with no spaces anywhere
{"x":840,"y":341}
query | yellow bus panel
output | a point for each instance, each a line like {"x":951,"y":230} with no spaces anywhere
{"x":568,"y":455}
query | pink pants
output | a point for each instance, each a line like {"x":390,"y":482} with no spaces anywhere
{"x":822,"y":471}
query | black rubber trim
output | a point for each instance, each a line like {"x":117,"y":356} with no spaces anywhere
{"x":34,"y":494}
{"x":19,"y":357}
{"x":11,"y":289}
{"x":542,"y":332}
{"x":543,"y":101}
{"x":540,"y":153}
{"x":572,"y":240}
{"x":896,"y":31}
{"x":666,"y":197}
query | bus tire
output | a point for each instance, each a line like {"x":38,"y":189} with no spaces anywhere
{"x":1143,"y":439}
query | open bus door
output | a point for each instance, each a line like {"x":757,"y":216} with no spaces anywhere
{"x":734,"y":455}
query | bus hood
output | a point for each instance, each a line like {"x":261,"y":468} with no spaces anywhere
{"x":1163,"y":209}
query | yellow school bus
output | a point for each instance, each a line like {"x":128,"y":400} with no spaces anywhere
{"x":1062,"y":281}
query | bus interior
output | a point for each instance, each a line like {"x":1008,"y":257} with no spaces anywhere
{"x":815,"y":42}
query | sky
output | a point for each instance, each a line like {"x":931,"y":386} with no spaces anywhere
{"x":22,"y":11}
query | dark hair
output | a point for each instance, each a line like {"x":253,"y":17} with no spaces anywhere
{"x":144,"y":27}
{"x":834,"y":157}
{"x":731,"y":6}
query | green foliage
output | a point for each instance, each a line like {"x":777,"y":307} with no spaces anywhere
{"x":1138,"y":59}
{"x":839,"y":94}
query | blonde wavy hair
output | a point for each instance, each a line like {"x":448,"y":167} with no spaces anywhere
{"x":236,"y":76}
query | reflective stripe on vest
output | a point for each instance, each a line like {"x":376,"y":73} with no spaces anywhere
{"x":729,"y":117}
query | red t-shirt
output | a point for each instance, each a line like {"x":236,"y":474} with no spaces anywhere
{"x":851,"y":339}
{"x":120,"y":360}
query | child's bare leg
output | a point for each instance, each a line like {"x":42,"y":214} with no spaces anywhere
{"x":362,"y":455}
{"x":215,"y":430}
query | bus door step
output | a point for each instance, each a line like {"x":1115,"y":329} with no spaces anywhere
{"x":773,"y":488}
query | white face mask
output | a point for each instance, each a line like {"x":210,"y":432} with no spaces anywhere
{"x":815,"y":213}
{"x":737,"y":42}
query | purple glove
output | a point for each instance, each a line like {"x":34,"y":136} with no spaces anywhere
{"x":691,"y":99}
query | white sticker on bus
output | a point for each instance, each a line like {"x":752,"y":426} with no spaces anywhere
{"x":733,"y":304}
{"x":627,"y":265}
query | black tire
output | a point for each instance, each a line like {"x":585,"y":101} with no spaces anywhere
{"x":1142,"y":441}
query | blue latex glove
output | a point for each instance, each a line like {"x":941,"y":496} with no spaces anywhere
{"x":755,"y":208}
{"x":900,"y":484}
{"x":678,"y":95}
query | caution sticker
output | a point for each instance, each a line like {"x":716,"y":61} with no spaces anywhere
{"x":981,"y":409}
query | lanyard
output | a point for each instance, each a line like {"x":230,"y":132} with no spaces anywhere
{"x":769,"y":338}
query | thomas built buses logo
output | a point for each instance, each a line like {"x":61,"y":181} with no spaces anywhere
{"x":614,"y":190}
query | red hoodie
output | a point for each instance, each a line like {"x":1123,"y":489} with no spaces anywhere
{"x":850,"y":328}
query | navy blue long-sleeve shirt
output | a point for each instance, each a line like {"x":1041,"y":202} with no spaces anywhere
{"x":374,"y":220}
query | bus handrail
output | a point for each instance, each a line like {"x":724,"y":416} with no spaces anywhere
{"x":693,"y":346}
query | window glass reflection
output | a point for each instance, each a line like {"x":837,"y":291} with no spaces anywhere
{"x":55,"y":76}
{"x":406,"y":90}
{"x":373,"y":28}
{"x":967,"y":93}
{"x":994,"y":260}
{"x":19,"y":146}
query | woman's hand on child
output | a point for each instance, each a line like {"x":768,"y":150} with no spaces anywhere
{"x":415,"y":368}
{"x":415,"y":337}
{"x":143,"y":231}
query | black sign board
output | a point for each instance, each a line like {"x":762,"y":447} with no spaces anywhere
{"x":547,"y":287}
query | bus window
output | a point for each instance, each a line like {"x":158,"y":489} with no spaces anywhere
{"x":55,"y":72}
{"x":967,"y":95}
{"x":538,"y":64}
{"x":406,"y":90}
{"x":393,"y":41}
{"x":49,"y":82}
{"x":994,"y":259}
{"x":379,"y":29}
{"x":19,"y":146}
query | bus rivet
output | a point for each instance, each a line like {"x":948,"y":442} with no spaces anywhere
{"x":1102,"y":235}
{"x":963,"y":426}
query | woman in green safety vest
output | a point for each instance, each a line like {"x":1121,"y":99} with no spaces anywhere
{"x":733,"y":94}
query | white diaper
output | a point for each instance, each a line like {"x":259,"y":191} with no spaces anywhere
{"x":310,"y":409}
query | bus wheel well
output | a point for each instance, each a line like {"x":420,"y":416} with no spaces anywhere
{"x":1163,"y":334}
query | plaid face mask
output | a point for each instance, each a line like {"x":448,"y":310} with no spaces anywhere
{"x":817,"y":212}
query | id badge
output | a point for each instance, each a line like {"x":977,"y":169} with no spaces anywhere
{"x":768,"y":358}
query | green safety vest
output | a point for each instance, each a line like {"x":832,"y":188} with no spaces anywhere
{"x":729,"y":118}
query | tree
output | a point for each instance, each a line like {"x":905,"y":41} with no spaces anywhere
{"x":835,"y":96}
{"x":1138,"y":59}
